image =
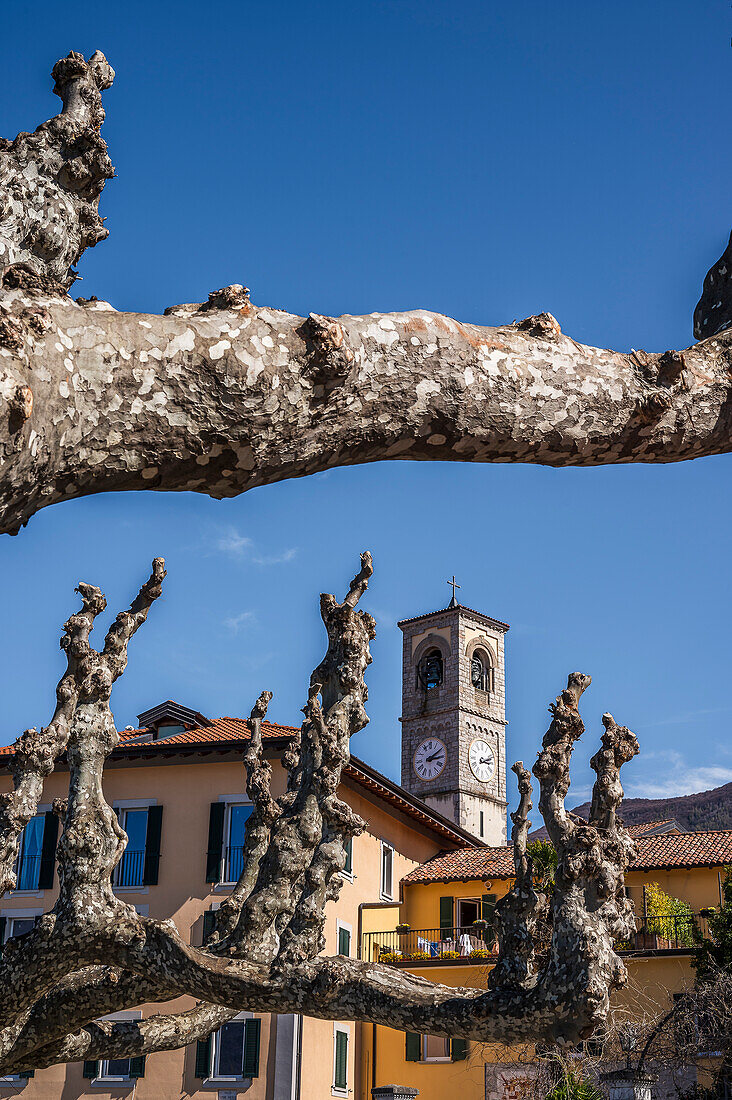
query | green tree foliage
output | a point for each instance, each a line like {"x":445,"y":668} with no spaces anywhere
{"x":715,"y":954}
{"x":544,"y":862}
{"x":668,"y":917}
{"x":573,"y":1086}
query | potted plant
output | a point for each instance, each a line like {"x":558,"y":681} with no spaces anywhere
{"x":403,"y":929}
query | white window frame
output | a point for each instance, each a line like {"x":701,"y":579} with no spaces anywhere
{"x":229,"y":800}
{"x":382,"y":892}
{"x":41,"y":809}
{"x":458,"y":910}
{"x":349,"y":875}
{"x":103,"y":1080}
{"x":434,"y":1061}
{"x":346,"y":928}
{"x":17,"y":914}
{"x":215,"y":1078}
{"x":344,"y":1029}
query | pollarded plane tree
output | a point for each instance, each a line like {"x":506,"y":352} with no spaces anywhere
{"x":93,"y":954}
{"x":225,"y":395}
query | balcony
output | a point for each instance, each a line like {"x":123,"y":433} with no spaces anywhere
{"x":431,"y":946}
{"x":460,"y":946}
{"x":668,"y":933}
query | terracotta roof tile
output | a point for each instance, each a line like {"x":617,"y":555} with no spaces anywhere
{"x":665,"y":851}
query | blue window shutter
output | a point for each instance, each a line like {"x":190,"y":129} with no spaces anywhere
{"x":48,"y":851}
{"x":252,"y":1034}
{"x":203,"y":1059}
{"x":215,"y":841}
{"x":152,"y":846}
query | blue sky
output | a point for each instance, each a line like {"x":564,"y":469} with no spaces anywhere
{"x":485,"y":160}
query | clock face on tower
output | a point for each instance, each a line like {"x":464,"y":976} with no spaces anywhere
{"x":482,"y":760}
{"x":430,"y":758}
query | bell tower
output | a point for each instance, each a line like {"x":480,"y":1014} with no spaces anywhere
{"x":454,"y":717}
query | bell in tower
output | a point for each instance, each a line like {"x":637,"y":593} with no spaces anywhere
{"x":454,"y":716}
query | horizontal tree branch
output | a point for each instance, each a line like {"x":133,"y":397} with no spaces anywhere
{"x":218,"y":400}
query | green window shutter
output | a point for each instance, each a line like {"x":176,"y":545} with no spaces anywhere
{"x":252,"y":1034}
{"x":413,"y":1045}
{"x":203,"y":1059}
{"x":90,"y":1070}
{"x":344,"y":941}
{"x":152,"y":846}
{"x":487,"y":906}
{"x":209,"y":923}
{"x":215,"y":841}
{"x":459,"y":1050}
{"x":348,"y":867}
{"x":137,"y":1067}
{"x":48,"y":851}
{"x":340,"y":1080}
{"x":447,"y":906}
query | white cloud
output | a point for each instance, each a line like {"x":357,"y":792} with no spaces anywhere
{"x":232,"y":543}
{"x":677,"y":777}
{"x":275,"y":559}
{"x":235,"y":622}
{"x":686,"y":716}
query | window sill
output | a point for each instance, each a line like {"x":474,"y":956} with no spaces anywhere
{"x":436,"y":1061}
{"x":338,"y":1092}
{"x":125,"y":1084}
{"x":27,"y":893}
{"x":222,"y":887}
{"x":386,"y":897}
{"x":223,"y":1083}
{"x":348,"y":875}
{"x":131,"y":889}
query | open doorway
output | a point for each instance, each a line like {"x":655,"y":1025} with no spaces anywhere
{"x":468,"y":910}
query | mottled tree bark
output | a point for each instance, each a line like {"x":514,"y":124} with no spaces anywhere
{"x":220,"y":397}
{"x":93,"y":954}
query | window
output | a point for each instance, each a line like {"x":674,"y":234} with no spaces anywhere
{"x":348,"y":865}
{"x":17,"y":924}
{"x":140,"y":859}
{"x":340,"y":1060}
{"x":434,"y":1048}
{"x":481,"y":822}
{"x":226,"y":831}
{"x":344,"y":938}
{"x":28,"y":867}
{"x":232,"y":1052}
{"x":116,"y":1070}
{"x":481,"y":671}
{"x":431,"y":670}
{"x":387,"y":871}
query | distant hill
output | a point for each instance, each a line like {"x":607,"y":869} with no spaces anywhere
{"x":694,"y":812}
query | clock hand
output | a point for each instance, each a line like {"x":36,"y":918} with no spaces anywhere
{"x":484,"y":761}
{"x":434,"y":756}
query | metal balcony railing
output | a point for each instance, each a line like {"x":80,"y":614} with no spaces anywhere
{"x":460,"y":944}
{"x":27,"y":871}
{"x":130,"y":869}
{"x":666,"y":933}
{"x":475,"y":944}
{"x":233,"y":863}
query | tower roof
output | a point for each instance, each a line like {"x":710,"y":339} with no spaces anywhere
{"x":480,"y":615}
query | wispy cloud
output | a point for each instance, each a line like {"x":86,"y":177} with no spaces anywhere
{"x":686,"y":716}
{"x":231,"y":542}
{"x":275,"y":559}
{"x":677,"y":778}
{"x":238,"y":546}
{"x":235,"y":622}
